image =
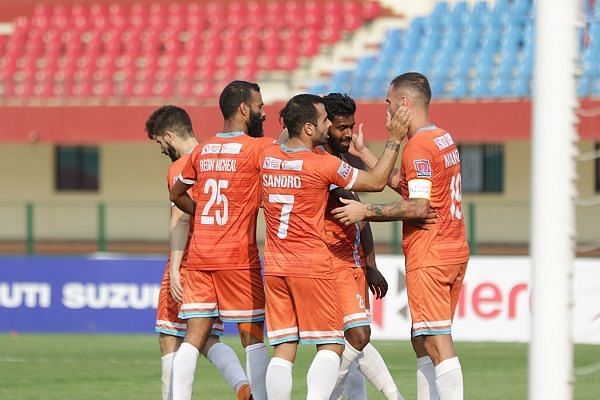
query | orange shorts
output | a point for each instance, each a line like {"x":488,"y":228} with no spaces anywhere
{"x":302,"y":309}
{"x":350,"y":287}
{"x":432,"y":297}
{"x":232,"y":295}
{"x":167,"y":320}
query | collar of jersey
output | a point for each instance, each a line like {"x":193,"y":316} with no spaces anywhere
{"x":427,"y":128}
{"x":230,"y":134}
{"x":293,"y":150}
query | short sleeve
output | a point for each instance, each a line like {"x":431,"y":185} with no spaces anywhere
{"x":337,"y":172}
{"x":418,"y":165}
{"x":188,"y":173}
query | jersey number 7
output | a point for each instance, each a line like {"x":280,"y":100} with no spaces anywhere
{"x":284,"y":218}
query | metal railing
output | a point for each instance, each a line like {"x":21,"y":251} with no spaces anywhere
{"x":104,"y":222}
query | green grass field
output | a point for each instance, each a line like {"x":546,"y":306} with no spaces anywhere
{"x":94,"y":367}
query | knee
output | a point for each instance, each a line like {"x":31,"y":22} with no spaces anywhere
{"x":210,"y":342}
{"x":168,"y":344}
{"x":432,"y":350}
{"x":418,"y":344}
{"x":358,"y":337}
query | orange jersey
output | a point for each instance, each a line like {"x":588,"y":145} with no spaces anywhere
{"x":343,"y":241}
{"x":295,"y":185}
{"x":225,"y":171}
{"x":431,"y":169}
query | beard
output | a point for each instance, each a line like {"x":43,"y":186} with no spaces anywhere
{"x":336,"y":145}
{"x":255,"y":124}
{"x":172,"y":153}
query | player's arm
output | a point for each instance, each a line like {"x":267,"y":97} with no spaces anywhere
{"x":181,"y":198}
{"x":376,"y":179}
{"x":359,"y":149}
{"x":413,"y":209}
{"x":179,"y":228}
{"x":375,"y":279}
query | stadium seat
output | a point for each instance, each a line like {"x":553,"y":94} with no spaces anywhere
{"x":62,"y":38}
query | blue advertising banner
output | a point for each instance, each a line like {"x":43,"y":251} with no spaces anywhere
{"x":79,"y":294}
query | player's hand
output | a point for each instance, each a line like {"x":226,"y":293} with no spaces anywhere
{"x":376,"y":282}
{"x":352,"y":212}
{"x":397,"y":124}
{"x":431,"y":218}
{"x":176,"y":289}
{"x":357,"y":145}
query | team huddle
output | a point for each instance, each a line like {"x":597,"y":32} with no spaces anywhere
{"x":319,"y":261}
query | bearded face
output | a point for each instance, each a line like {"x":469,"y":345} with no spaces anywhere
{"x":255,"y":124}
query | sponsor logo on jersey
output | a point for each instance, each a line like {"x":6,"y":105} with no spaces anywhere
{"x":423,"y":168}
{"x":271,"y":163}
{"x":231,"y":148}
{"x":292,"y":165}
{"x":444,"y":141}
{"x":211,"y":148}
{"x":344,"y":170}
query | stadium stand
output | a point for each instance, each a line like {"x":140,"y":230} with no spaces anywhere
{"x":165,"y":50}
{"x":479,"y":52}
{"x":120,"y":51}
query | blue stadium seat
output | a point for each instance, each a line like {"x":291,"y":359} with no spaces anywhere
{"x":364,"y":67}
{"x":479,"y":53}
{"x":480,"y":8}
{"x":318,"y":88}
{"x":459,"y":88}
{"x":501,"y":88}
{"x":340,"y":81}
{"x":522,"y":87}
{"x":437,"y":87}
{"x":483,"y":66}
{"x":471,"y":40}
{"x":501,"y":7}
{"x":460,"y":69}
{"x":584,"y":86}
{"x":480,"y":88}
{"x":522,"y":7}
{"x":376,"y":89}
{"x":596,"y":87}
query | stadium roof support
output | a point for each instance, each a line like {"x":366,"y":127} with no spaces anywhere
{"x":553,"y":195}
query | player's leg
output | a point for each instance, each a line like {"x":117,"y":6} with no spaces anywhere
{"x":171,"y":331}
{"x":320,"y":323}
{"x":226,"y":361}
{"x":354,"y":386}
{"x":282,"y":331}
{"x":168,"y":347}
{"x":433,"y":294}
{"x":242,"y":300}
{"x":356,"y":322}
{"x":200,"y":310}
{"x":358,"y":333}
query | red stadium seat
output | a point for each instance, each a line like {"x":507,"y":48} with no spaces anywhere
{"x":104,"y":49}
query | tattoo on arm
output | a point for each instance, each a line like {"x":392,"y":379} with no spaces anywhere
{"x":392,"y":146}
{"x":385,"y":212}
{"x":376,"y":209}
